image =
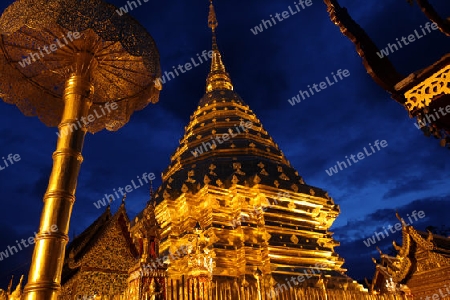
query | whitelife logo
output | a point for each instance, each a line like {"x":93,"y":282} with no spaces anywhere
{"x":393,"y":229}
{"x":360,"y":156}
{"x":266,"y":24}
{"x":31,"y":240}
{"x":391,"y":48}
{"x":167,"y":76}
{"x":225,"y":137}
{"x":430,"y":117}
{"x":281,"y":287}
{"x":302,"y":95}
{"x":128,"y":189}
{"x":439,"y":296}
{"x":11,"y":158}
{"x":124,"y":9}
{"x":53,"y":47}
{"x":89,"y":119}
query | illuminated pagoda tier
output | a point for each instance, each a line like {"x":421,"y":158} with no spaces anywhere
{"x":425,"y":93}
{"x":236,"y":220}
{"x":421,"y":266}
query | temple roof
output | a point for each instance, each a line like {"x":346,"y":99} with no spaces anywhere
{"x":90,"y":235}
{"x":440,"y":244}
{"x":81,"y":245}
{"x":401,"y":267}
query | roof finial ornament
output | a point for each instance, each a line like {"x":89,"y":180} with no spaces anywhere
{"x":218,"y":78}
{"x":212,"y":23}
{"x":152,"y":193}
{"x":124,"y":198}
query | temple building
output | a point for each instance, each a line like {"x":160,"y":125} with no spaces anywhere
{"x":425,"y":93}
{"x":232,"y":219}
{"x":420,"y":268}
{"x":98,"y":260}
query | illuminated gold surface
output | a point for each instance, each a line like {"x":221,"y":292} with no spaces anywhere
{"x":114,"y":55}
{"x":45,"y":271}
{"x":218,"y":78}
{"x":421,"y":265}
{"x":421,"y":95}
{"x":126,"y":55}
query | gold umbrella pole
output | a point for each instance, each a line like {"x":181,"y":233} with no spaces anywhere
{"x":44,"y":279}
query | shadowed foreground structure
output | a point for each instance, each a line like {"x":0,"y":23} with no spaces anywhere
{"x":425,"y":93}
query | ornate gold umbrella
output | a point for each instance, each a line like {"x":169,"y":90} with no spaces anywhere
{"x":82,"y":67}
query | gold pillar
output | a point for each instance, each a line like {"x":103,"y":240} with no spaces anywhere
{"x":44,"y":279}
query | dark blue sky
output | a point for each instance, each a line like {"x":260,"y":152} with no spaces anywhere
{"x":266,"y":69}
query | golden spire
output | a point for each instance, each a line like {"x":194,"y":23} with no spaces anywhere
{"x":218,"y":78}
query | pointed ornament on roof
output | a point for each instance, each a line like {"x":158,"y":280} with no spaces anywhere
{"x":218,"y":78}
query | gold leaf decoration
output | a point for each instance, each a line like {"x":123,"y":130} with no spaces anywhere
{"x":294,"y":187}
{"x":284,"y":176}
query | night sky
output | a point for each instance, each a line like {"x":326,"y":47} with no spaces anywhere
{"x":409,"y":174}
